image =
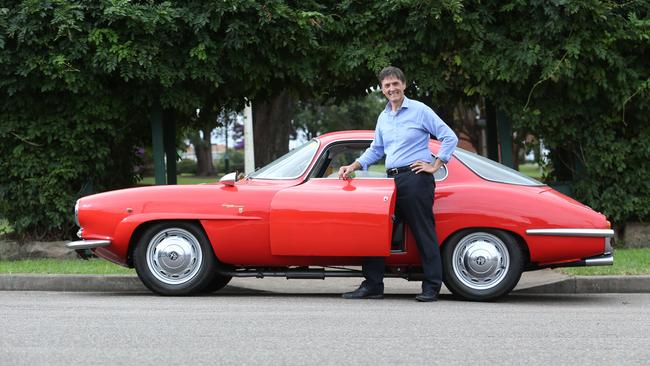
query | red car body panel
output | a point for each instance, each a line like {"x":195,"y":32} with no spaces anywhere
{"x":320,"y":221}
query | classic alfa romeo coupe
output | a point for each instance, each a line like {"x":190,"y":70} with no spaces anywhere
{"x":294,"y":218}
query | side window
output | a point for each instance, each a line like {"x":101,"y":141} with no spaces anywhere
{"x":441,"y":173}
{"x":345,"y":153}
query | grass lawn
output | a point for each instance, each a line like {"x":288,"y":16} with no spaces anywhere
{"x":531,"y":169}
{"x":182,"y":179}
{"x":626,"y":262}
{"x":63,"y":266}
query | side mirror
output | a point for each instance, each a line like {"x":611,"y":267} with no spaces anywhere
{"x":229,"y":179}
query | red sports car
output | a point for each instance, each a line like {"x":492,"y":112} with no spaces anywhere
{"x":294,"y":218}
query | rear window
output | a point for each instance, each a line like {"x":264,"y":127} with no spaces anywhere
{"x":493,"y":171}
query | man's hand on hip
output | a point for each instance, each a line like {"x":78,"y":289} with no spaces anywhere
{"x":423,"y":166}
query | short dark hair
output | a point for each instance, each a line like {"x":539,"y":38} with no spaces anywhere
{"x":391,"y":71}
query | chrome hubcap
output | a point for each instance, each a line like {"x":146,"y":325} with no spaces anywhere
{"x":174,"y":256}
{"x":481,"y":261}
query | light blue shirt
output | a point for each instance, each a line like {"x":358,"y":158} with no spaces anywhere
{"x":403,"y":136}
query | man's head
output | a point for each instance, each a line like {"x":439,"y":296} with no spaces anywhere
{"x":393,"y":83}
{"x":391,"y":71}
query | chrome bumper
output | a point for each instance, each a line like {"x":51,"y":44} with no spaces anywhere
{"x":606,"y":259}
{"x":88,"y":244}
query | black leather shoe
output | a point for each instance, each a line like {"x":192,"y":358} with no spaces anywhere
{"x":427,"y":296}
{"x":364,"y":293}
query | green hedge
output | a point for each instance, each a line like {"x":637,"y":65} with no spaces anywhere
{"x":236,"y":162}
{"x":186,"y":166}
{"x":52,"y":152}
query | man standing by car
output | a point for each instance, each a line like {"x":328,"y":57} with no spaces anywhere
{"x":402,"y":134}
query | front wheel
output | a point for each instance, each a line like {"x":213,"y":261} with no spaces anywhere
{"x":482,"y":264}
{"x":174,"y":258}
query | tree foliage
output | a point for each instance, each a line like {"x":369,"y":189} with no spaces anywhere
{"x":314,"y":117}
{"x":574,"y":73}
{"x":577,"y":75}
{"x":78,"y":80}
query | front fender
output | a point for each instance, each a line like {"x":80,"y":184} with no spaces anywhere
{"x":124,"y":231}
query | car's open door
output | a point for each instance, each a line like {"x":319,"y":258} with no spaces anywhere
{"x":332,"y":217}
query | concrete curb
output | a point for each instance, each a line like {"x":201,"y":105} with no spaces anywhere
{"x":130,"y":283}
{"x":593,"y":285}
{"x":75,"y":283}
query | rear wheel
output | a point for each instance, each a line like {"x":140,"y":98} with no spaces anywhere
{"x":174,"y":258}
{"x":482,"y":264}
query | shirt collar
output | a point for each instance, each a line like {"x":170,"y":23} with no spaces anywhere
{"x":405,"y":104}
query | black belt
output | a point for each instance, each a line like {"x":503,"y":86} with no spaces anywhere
{"x":400,"y":169}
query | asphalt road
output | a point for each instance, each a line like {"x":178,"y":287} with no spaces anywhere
{"x":254,"y":327}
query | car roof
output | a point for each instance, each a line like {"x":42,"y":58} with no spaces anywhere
{"x":353,"y":135}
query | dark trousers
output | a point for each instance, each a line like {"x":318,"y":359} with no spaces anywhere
{"x":415,"y":206}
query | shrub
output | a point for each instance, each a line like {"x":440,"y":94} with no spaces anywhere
{"x":186,"y":166}
{"x":53,"y":152}
{"x":236,"y":162}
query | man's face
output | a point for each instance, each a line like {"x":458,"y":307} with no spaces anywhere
{"x":393,"y":89}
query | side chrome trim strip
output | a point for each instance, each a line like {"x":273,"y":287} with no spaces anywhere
{"x":607,"y":233}
{"x":88,"y":244}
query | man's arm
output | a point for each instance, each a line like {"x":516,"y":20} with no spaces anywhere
{"x":437,"y":127}
{"x":372,"y":154}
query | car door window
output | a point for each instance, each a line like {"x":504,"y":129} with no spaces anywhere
{"x":342,"y":154}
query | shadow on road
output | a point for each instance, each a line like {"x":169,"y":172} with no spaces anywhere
{"x":513,"y":299}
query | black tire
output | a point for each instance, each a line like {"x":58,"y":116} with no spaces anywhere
{"x":482,"y":264}
{"x":174,"y":258}
{"x":218,"y":282}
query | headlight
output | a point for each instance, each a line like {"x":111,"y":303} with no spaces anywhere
{"x":76,"y":213}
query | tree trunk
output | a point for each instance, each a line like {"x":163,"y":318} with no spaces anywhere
{"x":516,"y":147}
{"x":271,"y":127}
{"x":203,"y":151}
{"x":466,"y":127}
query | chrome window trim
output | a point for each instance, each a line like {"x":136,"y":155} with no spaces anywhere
{"x":444,"y":165}
{"x":607,"y":233}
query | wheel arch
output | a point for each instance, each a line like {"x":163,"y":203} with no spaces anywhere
{"x":505,"y":257}
{"x":142,"y":227}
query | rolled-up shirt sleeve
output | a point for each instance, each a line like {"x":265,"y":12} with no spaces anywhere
{"x":374,"y":152}
{"x":437,"y":127}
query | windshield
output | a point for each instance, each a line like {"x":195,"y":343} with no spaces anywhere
{"x":291,"y":165}
{"x":493,"y":171}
